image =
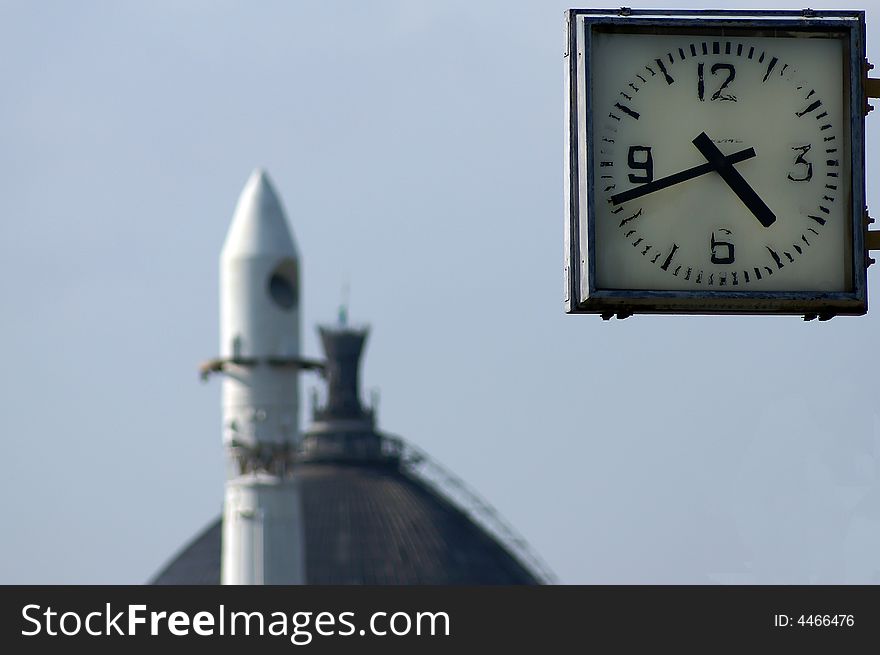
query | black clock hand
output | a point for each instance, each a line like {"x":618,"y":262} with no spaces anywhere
{"x":675,"y":178}
{"x":734,"y":180}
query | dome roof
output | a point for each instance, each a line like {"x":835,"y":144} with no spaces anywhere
{"x":372,"y":524}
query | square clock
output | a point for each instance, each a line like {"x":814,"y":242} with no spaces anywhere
{"x":715,"y":162}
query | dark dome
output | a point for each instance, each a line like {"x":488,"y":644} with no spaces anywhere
{"x":375,"y":509}
{"x":372,"y":524}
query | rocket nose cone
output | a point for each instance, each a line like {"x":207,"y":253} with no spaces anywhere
{"x":259,"y":224}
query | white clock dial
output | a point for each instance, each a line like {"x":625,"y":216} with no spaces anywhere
{"x":720,"y":163}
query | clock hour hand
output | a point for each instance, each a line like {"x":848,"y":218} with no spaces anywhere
{"x":682,"y":176}
{"x":735,"y":181}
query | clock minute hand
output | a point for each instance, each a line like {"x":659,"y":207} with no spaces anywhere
{"x":675,"y":178}
{"x":734,"y":180}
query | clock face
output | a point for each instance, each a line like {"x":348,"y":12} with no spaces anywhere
{"x":721,"y":163}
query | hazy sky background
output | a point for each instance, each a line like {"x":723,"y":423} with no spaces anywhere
{"x":418,"y":149}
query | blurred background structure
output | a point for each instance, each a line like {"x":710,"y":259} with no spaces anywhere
{"x":343,"y":503}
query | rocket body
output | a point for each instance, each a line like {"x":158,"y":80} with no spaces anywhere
{"x":262,"y":539}
{"x":259,"y":321}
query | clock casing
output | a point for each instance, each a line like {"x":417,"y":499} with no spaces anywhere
{"x":715,"y":163}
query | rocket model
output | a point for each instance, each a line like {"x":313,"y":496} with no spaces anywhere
{"x":262,"y":540}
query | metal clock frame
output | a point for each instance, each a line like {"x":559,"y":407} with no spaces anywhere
{"x":581,"y":294}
